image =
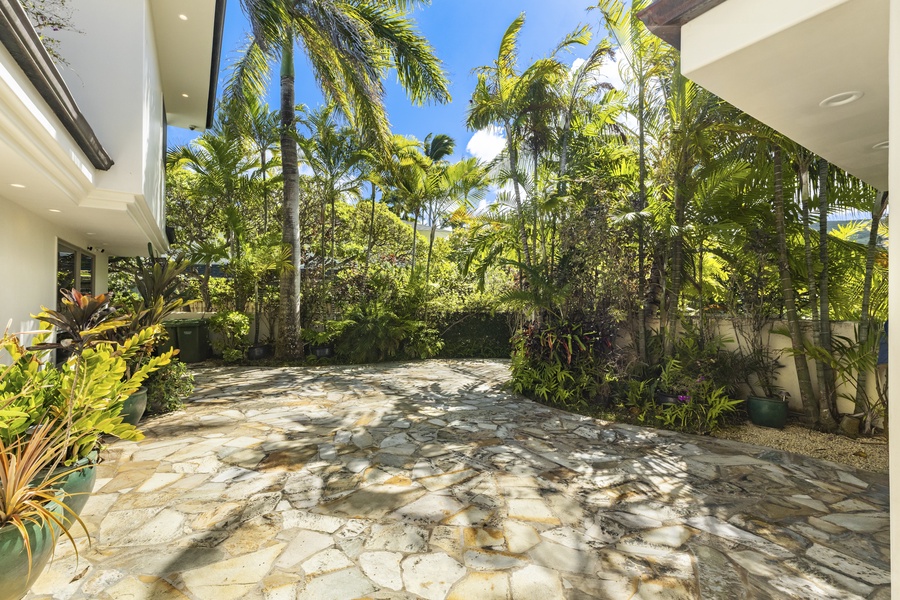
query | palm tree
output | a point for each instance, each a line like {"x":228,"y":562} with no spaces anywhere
{"x":335,"y":157}
{"x":505,"y":98}
{"x":644,"y":53}
{"x":349,"y":45}
{"x":435,"y":148}
{"x":461,"y":183}
{"x":809,"y":400}
{"x":260,"y":126}
{"x":878,"y":207}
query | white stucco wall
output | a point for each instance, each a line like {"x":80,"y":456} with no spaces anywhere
{"x":113,"y":74}
{"x":894,"y":296}
{"x":28,"y":245}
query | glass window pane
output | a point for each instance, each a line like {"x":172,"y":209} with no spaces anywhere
{"x":86,"y":279}
{"x":65,"y":268}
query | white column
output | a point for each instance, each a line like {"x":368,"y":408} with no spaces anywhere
{"x":894,"y":298}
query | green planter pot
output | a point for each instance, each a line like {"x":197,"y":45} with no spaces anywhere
{"x":134,"y":407}
{"x":665,"y":398}
{"x":77,"y":485}
{"x":767,"y":412}
{"x":15,"y":578}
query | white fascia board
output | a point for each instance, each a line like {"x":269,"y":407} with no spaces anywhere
{"x":31,"y":129}
{"x":738,"y":24}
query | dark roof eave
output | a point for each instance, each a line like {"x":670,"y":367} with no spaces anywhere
{"x":22,"y":41}
{"x":664,"y":18}
{"x":218,"y":29}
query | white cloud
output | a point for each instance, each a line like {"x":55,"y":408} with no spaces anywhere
{"x":486,"y":144}
{"x":609,"y":72}
{"x":305,"y":169}
{"x":576,"y":65}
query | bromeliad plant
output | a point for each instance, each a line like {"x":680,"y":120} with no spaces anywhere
{"x":31,"y":502}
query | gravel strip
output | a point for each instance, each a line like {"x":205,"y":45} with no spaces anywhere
{"x":869,"y":454}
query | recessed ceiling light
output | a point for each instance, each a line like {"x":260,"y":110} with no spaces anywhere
{"x":182,"y":17}
{"x":17,"y":185}
{"x":881,"y":146}
{"x":185,"y":96}
{"x":53,"y":210}
{"x":841,"y":99}
{"x":90,"y":233}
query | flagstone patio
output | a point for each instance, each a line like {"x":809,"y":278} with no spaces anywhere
{"x":428,"y":480}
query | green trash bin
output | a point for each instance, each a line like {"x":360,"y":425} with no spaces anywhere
{"x":191,"y":338}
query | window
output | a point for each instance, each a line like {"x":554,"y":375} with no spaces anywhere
{"x":75,"y":269}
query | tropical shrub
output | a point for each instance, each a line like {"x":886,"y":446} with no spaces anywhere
{"x":167,"y":387}
{"x":372,"y":333}
{"x":471,"y":334}
{"x":232,"y":328}
{"x":562,"y":366}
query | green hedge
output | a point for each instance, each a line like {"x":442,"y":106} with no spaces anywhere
{"x":475,"y":335}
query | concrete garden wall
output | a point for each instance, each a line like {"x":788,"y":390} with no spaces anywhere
{"x":786,"y":378}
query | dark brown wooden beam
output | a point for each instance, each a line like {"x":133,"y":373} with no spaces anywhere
{"x":664,"y":18}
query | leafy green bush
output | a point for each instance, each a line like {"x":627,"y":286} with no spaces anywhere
{"x":702,"y":406}
{"x":167,"y":387}
{"x":559,"y":365}
{"x":232,"y":328}
{"x":422,"y":341}
{"x":372,"y":333}
{"x":475,"y":335}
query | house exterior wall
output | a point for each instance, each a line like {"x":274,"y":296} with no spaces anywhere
{"x":113,"y":74}
{"x":28,"y":270}
{"x":894,"y":291}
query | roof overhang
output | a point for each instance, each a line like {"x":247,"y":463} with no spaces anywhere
{"x":23,"y":43}
{"x":778,"y":61}
{"x":189,"y":47}
{"x":664,"y":18}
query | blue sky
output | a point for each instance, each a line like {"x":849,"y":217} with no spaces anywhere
{"x":465,"y":35}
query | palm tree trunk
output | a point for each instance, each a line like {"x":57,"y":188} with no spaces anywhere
{"x":829,"y":395}
{"x":332,"y":230}
{"x":810,"y":403}
{"x":514,"y":171}
{"x":428,"y":265}
{"x":826,"y":418}
{"x":861,"y":404}
{"x":677,"y":266}
{"x":204,"y":287}
{"x":289,"y":344}
{"x":642,"y":203}
{"x":262,"y":162}
{"x":371,"y":232}
{"x":415,"y":228}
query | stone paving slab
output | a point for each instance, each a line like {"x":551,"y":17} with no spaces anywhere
{"x":429,"y":480}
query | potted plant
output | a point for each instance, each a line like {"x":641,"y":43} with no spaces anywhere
{"x":668,"y":385}
{"x":32,"y":510}
{"x":769,"y":411}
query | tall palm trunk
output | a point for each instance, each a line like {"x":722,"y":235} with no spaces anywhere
{"x":371,"y":243}
{"x":677,"y":268}
{"x":828,"y":393}
{"x":826,"y":418}
{"x":860,"y":404}
{"x":262,"y":162}
{"x":514,"y":171}
{"x":289,"y":344}
{"x":642,"y":203}
{"x":428,"y":264}
{"x":810,"y":403}
{"x":415,"y":228}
